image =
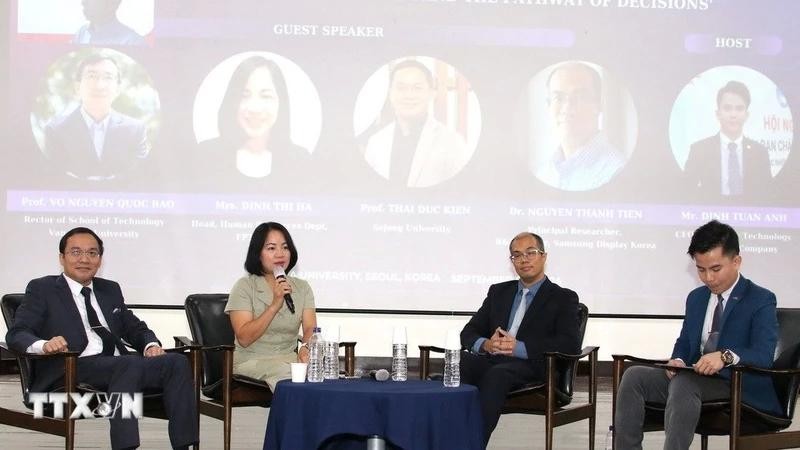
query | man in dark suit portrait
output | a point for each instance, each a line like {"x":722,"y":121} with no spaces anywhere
{"x":729,"y":163}
{"x":519,"y":321}
{"x":729,"y":320}
{"x":92,"y":140}
{"x":79,"y":312}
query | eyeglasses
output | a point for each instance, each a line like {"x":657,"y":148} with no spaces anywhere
{"x":77,"y":253}
{"x":94,"y":77}
{"x":578,"y":98}
{"x":526,"y":255}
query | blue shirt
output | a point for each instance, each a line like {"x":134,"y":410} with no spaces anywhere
{"x":520,"y":351}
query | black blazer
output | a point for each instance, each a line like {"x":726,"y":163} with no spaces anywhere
{"x":49,"y":310}
{"x":550,"y":324}
{"x":704,"y":168}
{"x":69,"y":145}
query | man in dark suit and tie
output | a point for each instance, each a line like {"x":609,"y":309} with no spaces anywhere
{"x":519,"y":321}
{"x":729,"y":320}
{"x":93,"y":141}
{"x":729,"y":163}
{"x":79,"y":312}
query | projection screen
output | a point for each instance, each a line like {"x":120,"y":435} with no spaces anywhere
{"x":403,"y":143}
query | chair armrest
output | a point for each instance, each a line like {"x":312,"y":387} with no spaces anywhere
{"x":36,"y":355}
{"x":254,"y":382}
{"x":183,"y":348}
{"x":217,"y":348}
{"x":586,"y":351}
{"x":181,"y":341}
{"x":431,"y":348}
{"x":637,"y":359}
{"x":618,"y":366}
{"x":760,"y":370}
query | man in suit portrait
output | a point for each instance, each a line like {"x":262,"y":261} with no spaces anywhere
{"x":729,"y":163}
{"x":517,"y":323}
{"x":584,"y":159}
{"x":414,"y":149}
{"x":91,"y":140}
{"x":80,"y":312}
{"x":104,"y":28}
{"x":729,"y":320}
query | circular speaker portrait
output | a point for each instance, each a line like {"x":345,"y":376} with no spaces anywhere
{"x":581,"y":126}
{"x":256,"y":114}
{"x":731,"y":132}
{"x":97,"y":115}
{"x":417,"y":121}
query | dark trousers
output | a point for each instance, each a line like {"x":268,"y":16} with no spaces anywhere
{"x":495,"y":376}
{"x":169,"y":373}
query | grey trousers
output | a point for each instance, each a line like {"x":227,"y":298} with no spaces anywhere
{"x":682,"y":397}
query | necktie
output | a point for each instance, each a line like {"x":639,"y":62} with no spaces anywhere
{"x":519,"y":314}
{"x":98,"y":138}
{"x":403,"y":149}
{"x":109,"y":341}
{"x":734,"y":170}
{"x":713,"y":335}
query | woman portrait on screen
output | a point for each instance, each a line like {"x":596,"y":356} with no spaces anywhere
{"x":253,"y":121}
{"x":266,"y":330}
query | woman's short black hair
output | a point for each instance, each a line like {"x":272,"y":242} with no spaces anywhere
{"x":252,"y":264}
{"x":62,"y":244}
{"x":229,"y":129}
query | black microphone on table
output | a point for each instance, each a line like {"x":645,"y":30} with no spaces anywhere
{"x":278,"y":272}
{"x":379,"y":375}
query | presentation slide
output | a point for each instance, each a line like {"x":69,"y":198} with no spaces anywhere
{"x":403,"y":143}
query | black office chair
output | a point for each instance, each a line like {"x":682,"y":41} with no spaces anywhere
{"x":747,"y":427}
{"x":152,"y":404}
{"x":552,"y":397}
{"x":211,"y":329}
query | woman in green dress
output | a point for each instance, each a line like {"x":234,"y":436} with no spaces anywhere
{"x":266,"y":330}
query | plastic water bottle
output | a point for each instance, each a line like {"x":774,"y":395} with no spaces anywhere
{"x":315,"y":356}
{"x":452,"y":361}
{"x":610,"y":438}
{"x":330,"y":365}
{"x":399,"y":362}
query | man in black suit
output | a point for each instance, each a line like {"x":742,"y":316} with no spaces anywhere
{"x":729,"y":163}
{"x":79,"y":312}
{"x":517,"y":323}
{"x":92,"y":140}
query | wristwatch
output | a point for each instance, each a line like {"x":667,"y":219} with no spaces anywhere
{"x":727,"y":357}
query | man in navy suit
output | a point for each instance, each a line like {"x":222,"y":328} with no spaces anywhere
{"x":729,"y":163}
{"x":519,"y":321}
{"x":729,"y":320}
{"x":93,"y":141}
{"x":55,"y":317}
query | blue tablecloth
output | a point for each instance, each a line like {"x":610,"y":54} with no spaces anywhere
{"x":412,"y":415}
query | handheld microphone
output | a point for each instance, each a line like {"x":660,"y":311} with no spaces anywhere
{"x":278,"y":272}
{"x":379,"y":375}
